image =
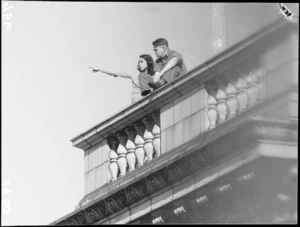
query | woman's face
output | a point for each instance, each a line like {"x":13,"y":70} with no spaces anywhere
{"x":142,"y":64}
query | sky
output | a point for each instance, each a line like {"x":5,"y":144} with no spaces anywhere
{"x":49,"y":95}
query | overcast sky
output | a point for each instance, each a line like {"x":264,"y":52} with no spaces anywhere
{"x":49,"y":95}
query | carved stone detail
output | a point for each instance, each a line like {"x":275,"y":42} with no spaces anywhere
{"x":231,"y":100}
{"x":221,"y":106}
{"x":246,"y":177}
{"x":223,"y":196}
{"x":222,"y":98}
{"x":72,"y":221}
{"x":148,"y":137}
{"x":116,"y":202}
{"x":122,"y":152}
{"x":204,"y":207}
{"x":100,"y":209}
{"x":139,"y":142}
{"x":79,"y":219}
{"x":242,"y":87}
{"x":220,"y":149}
{"x":135,"y":192}
{"x":212,"y":114}
{"x":62,"y":223}
{"x":158,"y":217}
{"x":92,"y":215}
{"x":180,"y":208}
{"x":155,"y":182}
{"x":130,"y":146}
{"x":231,"y":92}
{"x":201,"y":199}
{"x":113,"y":157}
{"x":156,"y":134}
{"x":252,"y":80}
{"x":207,"y":154}
{"x":179,"y":169}
{"x":261,"y":85}
{"x":198,"y":161}
{"x":158,"y":220}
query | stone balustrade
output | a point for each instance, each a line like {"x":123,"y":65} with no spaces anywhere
{"x":234,"y":91}
{"x":134,"y":146}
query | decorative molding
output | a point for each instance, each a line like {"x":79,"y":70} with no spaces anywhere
{"x":135,"y":192}
{"x":179,"y":170}
{"x":155,"y":182}
{"x":115,"y":202}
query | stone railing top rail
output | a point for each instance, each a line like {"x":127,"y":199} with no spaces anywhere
{"x":198,"y":75}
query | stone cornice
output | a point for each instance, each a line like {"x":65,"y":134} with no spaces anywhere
{"x":198,"y":75}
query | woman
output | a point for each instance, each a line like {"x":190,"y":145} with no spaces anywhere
{"x":145,"y":66}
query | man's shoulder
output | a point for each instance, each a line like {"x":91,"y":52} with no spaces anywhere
{"x":173,"y":53}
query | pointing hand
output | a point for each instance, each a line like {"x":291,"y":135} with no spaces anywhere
{"x":94,"y":70}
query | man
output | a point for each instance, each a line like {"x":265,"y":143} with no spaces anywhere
{"x":169,"y":63}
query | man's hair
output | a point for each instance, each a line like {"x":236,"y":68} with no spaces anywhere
{"x":160,"y":41}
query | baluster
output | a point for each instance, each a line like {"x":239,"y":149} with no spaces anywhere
{"x":113,"y":157}
{"x":221,"y":99}
{"x":212,"y":114}
{"x":251,"y":80}
{"x":231,"y":102}
{"x":122,"y":152}
{"x":148,"y":137}
{"x":261,"y":85}
{"x":130,"y":146}
{"x":139,"y":143}
{"x":156,"y":134}
{"x":242,"y":95}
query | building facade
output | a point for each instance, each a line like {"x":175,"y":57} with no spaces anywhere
{"x":217,"y":145}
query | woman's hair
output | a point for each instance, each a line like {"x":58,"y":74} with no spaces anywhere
{"x":150,"y":63}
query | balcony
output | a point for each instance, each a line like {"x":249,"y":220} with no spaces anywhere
{"x":187,"y":130}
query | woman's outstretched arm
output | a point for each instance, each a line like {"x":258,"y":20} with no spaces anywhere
{"x":124,"y":75}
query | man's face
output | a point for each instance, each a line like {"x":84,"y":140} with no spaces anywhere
{"x":159,"y":51}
